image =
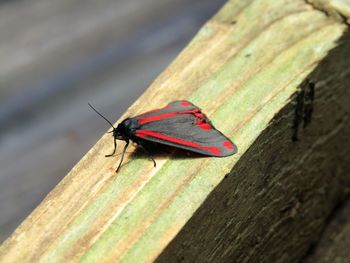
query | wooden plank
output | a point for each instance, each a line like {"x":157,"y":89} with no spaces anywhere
{"x":335,"y":242}
{"x":244,"y":69}
{"x":115,"y":50}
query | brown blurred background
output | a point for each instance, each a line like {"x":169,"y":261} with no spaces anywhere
{"x":55,"y":57}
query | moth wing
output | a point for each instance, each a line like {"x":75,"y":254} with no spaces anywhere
{"x":189,"y":131}
{"x":180,"y":105}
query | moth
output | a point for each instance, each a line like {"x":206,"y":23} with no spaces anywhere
{"x":179,"y":124}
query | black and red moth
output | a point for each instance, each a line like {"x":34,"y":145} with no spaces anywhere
{"x":179,"y":124}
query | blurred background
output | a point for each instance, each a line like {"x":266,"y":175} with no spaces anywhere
{"x":55,"y":57}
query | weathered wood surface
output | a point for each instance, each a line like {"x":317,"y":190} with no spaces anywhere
{"x":59,"y":56}
{"x":274,"y":204}
{"x":248,"y":68}
{"x":335,"y":241}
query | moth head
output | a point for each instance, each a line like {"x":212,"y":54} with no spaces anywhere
{"x":118,"y":133}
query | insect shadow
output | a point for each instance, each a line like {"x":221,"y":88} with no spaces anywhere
{"x":158,"y":151}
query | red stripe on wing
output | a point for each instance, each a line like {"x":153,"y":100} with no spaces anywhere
{"x":165,"y":116}
{"x":156,"y":117}
{"x":146,"y":133}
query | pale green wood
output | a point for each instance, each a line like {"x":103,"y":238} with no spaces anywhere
{"x":338,"y":9}
{"x":242,"y":68}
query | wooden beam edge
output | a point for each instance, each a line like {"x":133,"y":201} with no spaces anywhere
{"x":242,"y":71}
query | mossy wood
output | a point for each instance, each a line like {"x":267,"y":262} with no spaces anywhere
{"x":272,"y":75}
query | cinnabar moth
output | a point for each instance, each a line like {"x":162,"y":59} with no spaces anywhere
{"x":179,"y":124}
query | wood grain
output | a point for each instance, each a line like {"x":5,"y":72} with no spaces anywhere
{"x":335,"y":240}
{"x":244,"y":69}
{"x":53,"y":62}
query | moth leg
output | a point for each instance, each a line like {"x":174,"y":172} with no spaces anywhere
{"x":115,"y":147}
{"x":148,"y":153}
{"x":122,"y":158}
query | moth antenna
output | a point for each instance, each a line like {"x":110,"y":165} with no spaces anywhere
{"x":102,"y":116}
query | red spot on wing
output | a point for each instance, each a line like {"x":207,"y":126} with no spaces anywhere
{"x":202,"y":122}
{"x":185,"y":103}
{"x":147,"y":133}
{"x":203,"y":125}
{"x":228,"y":145}
{"x":199,"y":115}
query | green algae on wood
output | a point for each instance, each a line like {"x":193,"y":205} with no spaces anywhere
{"x":242,"y":68}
